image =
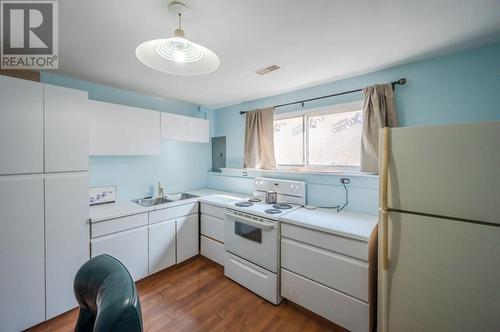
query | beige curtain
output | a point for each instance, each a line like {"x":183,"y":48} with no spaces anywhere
{"x":259,"y":139}
{"x":379,"y":111}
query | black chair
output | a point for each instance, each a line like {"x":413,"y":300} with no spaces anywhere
{"x":107,"y":296}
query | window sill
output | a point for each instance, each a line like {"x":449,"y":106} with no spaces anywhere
{"x":253,"y":172}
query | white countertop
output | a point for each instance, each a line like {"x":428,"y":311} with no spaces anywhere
{"x":127,"y":208}
{"x":349,"y":224}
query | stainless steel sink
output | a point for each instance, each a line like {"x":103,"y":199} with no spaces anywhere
{"x":151,"y":201}
{"x":179,"y":196}
{"x":162,"y":200}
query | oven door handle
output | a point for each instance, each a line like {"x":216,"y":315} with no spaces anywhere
{"x":251,"y":222}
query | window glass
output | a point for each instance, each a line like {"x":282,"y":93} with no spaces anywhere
{"x":289,"y":141}
{"x":335,"y":139}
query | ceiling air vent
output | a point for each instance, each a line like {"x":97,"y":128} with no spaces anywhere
{"x":267,"y":70}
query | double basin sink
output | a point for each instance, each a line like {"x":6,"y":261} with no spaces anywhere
{"x":147,"y":202}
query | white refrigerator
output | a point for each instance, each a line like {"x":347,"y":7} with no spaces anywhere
{"x":439,"y":229}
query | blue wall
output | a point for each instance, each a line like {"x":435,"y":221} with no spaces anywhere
{"x":461,"y":87}
{"x":181,"y":165}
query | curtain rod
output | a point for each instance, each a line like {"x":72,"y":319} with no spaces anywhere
{"x":401,"y":81}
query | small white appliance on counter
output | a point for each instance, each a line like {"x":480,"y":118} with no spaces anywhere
{"x":439,"y":242}
{"x":252,"y":236}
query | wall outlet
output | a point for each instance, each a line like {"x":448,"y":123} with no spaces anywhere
{"x":345,"y":180}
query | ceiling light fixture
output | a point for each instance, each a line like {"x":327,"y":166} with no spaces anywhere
{"x":177,"y":55}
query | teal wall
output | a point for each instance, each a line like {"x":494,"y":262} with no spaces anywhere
{"x":461,"y":87}
{"x":181,"y":165}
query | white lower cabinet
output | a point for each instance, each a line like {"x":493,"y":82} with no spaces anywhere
{"x":22,"y":275}
{"x":212,"y":232}
{"x":330,"y":275}
{"x":67,"y":237}
{"x":212,"y":249}
{"x":161,"y":246}
{"x":337,"y":307}
{"x":187,"y":237}
{"x":130,"y":247}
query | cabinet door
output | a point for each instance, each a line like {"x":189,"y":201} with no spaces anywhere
{"x":21,"y":126}
{"x":129,"y":247}
{"x":143,"y":131}
{"x":161,"y":246}
{"x":174,"y":127}
{"x":107,"y":130}
{"x":22,"y":276}
{"x":66,"y":129}
{"x":187,"y":237}
{"x":198,"y":130}
{"x":67,"y":237}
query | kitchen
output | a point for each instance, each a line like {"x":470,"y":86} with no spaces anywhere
{"x":245,"y":199}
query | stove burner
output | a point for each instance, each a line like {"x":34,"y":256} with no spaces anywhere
{"x":243,"y":204}
{"x":282,"y":206}
{"x":272,"y":211}
{"x":254,"y":200}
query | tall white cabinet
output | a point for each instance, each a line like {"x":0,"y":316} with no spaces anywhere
{"x":44,"y":213}
{"x":22,"y":287}
{"x":66,"y":236}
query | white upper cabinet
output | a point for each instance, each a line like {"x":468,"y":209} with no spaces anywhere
{"x":182,"y":128}
{"x":174,"y":127}
{"x":21,"y":126}
{"x":198,"y":130}
{"x":143,"y":131}
{"x":118,"y":130}
{"x":66,"y":129}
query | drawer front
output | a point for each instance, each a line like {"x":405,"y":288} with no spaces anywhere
{"x":173,"y":212}
{"x":212,"y":210}
{"x":211,"y":249}
{"x":260,"y":281}
{"x":119,"y":224}
{"x":212,"y":227}
{"x":350,"y":247}
{"x":326,"y":302}
{"x":347,"y":275}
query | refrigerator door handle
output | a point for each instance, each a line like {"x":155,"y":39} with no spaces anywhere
{"x":384,"y":198}
{"x":385,"y":240}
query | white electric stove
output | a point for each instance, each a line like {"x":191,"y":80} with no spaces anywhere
{"x":252,"y":235}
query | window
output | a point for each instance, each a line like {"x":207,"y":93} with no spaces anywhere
{"x":321,"y":138}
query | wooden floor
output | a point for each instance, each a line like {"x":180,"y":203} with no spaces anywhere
{"x":196,"y":296}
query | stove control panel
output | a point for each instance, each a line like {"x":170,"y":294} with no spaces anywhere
{"x":282,"y":187}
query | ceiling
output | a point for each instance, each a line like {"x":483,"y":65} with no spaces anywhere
{"x":313,"y":41}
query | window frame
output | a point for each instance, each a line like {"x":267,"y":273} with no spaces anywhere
{"x":305,"y":114}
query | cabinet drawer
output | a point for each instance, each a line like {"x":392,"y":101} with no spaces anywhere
{"x":326,"y":302}
{"x":260,"y":281}
{"x":347,"y":275}
{"x":119,"y":224}
{"x":211,"y":249}
{"x":212,"y":210}
{"x":340,"y":244}
{"x":173,"y":212}
{"x":212,"y":227}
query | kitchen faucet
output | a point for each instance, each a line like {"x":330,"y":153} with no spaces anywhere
{"x":160,"y":190}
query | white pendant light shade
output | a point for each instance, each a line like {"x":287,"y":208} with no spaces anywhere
{"x":177,"y":55}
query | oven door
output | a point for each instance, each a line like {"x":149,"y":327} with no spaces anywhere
{"x":252,"y":238}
